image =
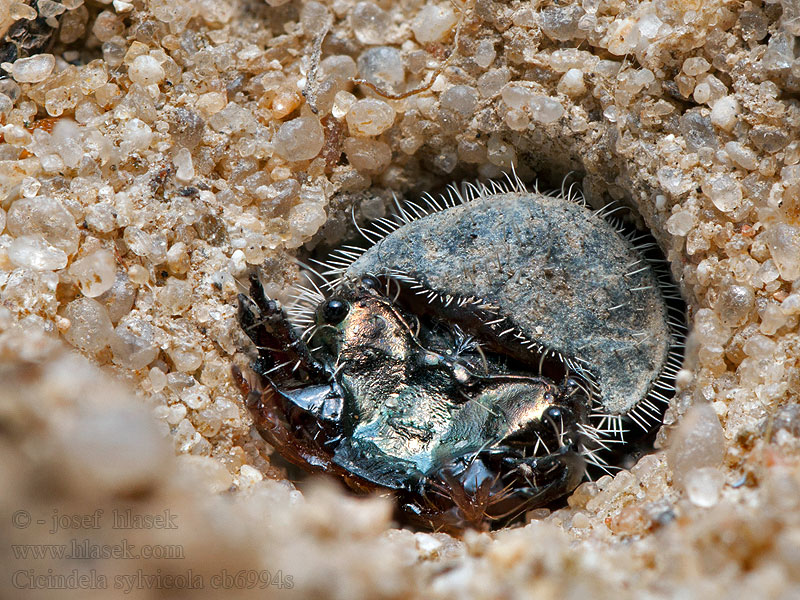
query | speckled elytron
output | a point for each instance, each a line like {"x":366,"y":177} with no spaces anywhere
{"x":472,"y":360}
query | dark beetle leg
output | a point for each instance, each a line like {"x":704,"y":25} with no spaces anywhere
{"x":282,"y":355}
{"x":493,"y":489}
{"x":297,"y":407}
{"x":562,"y":471}
{"x":272,"y":421}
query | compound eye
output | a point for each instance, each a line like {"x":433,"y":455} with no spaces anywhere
{"x":370,"y":282}
{"x":554,"y":413}
{"x":334,"y":311}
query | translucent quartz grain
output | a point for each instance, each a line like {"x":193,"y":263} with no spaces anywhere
{"x":780,"y":51}
{"x":300,"y":139}
{"x":141,"y":243}
{"x":382,"y":66}
{"x":698,"y":442}
{"x":367,"y":155}
{"x":211,"y":103}
{"x":369,"y":23}
{"x":768,"y":271}
{"x":516,"y":96}
{"x":545,"y":110}
{"x":312,"y":16}
{"x":783,"y":241}
{"x":30,"y":187}
{"x":92,"y":76}
{"x":742,"y":156}
{"x":35,"y":253}
{"x":158,"y":380}
{"x":65,"y":141}
{"x":100,"y":217}
{"x":462,"y":99}
{"x":233,"y":119}
{"x":433,"y":23}
{"x":702,"y":93}
{"x":306,"y":219}
{"x":791,"y":304}
{"x":681,"y":223}
{"x":491,"y":82}
{"x":136,"y":136}
{"x":572,"y":83}
{"x":484,"y":54}
{"x":342,"y":102}
{"x":175,"y":295}
{"x":517,"y":119}
{"x":20,"y":10}
{"x":286,"y":100}
{"x":338,"y":67}
{"x":501,"y":153}
{"x":704,"y":485}
{"x":673,"y":181}
{"x":51,"y":163}
{"x":769,"y":139}
{"x":73,"y":25}
{"x":90,"y":328}
{"x":95,"y":273}
{"x":542,"y":108}
{"x":107,"y":95}
{"x":186,"y":357}
{"x":133,"y":344}
{"x":45,"y":216}
{"x":708,"y":329}
{"x":178,"y":259}
{"x":185,"y":167}
{"x":712,"y":89}
{"x":697,"y":130}
{"x":724,"y":191}
{"x":759,"y":346}
{"x":734,"y":303}
{"x":471,"y":151}
{"x":248,"y":476}
{"x":445,"y":161}
{"x":186,"y":127}
{"x":15,"y":135}
{"x":34,"y":69}
{"x":695,"y":66}
{"x":369,"y":117}
{"x":561,"y":22}
{"x":107,"y":26}
{"x":772,"y":319}
{"x":86,"y":111}
{"x":177,"y":412}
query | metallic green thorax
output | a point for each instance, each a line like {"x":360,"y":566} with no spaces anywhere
{"x":412,"y":409}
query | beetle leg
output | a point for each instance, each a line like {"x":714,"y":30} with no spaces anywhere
{"x":320,"y":401}
{"x":497,"y":489}
{"x":272,"y":421}
{"x":281,"y":352}
{"x":542,"y":479}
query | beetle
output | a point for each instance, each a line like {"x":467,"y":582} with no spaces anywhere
{"x":472,"y":360}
